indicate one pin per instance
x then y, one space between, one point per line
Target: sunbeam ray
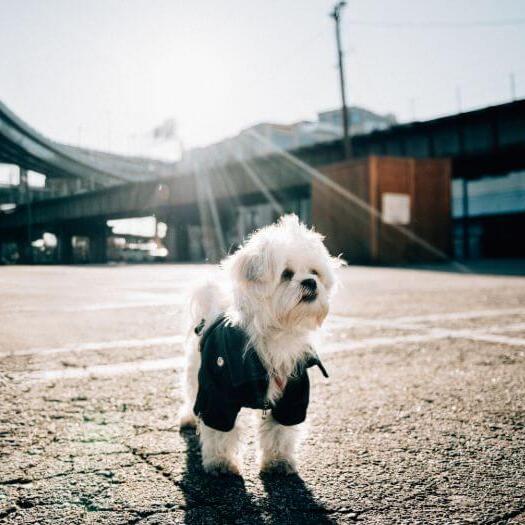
310 172
258 182
208 190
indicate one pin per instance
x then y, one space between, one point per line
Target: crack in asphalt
199 502
504 518
26 481
87 501
143 456
8 512
16 481
141 515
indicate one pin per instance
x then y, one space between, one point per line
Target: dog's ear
251 265
338 262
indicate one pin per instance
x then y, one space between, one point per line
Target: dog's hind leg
219 450
278 444
190 383
207 303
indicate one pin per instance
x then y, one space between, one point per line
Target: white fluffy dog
251 344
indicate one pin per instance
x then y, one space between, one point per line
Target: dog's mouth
309 297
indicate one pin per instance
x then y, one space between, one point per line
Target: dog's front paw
281 466
187 419
218 467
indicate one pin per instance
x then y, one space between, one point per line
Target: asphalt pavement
421 421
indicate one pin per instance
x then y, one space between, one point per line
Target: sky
104 73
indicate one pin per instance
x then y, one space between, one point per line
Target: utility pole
336 15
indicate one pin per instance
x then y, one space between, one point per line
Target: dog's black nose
310 284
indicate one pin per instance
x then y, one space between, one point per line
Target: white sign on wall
395 208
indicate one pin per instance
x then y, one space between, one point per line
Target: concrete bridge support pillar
170 241
65 248
21 248
183 243
177 242
25 251
98 247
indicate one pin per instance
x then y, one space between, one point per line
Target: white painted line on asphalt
503 328
453 316
415 322
175 301
171 363
95 307
334 321
139 343
130 367
340 322
375 342
483 335
515 327
102 345
499 339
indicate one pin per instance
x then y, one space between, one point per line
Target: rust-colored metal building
385 210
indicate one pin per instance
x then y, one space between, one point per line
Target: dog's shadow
224 499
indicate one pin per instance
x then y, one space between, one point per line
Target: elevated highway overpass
490 141
27 148
178 201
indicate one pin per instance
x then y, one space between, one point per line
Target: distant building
293 136
328 127
361 120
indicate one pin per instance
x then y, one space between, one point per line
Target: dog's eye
287 274
315 272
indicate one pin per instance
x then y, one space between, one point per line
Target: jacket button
220 361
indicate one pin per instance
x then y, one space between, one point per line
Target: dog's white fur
279 322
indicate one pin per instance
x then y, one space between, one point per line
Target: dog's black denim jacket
231 376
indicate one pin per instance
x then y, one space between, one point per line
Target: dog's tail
207 303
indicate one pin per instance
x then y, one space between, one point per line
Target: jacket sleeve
215 403
291 408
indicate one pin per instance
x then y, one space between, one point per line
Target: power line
439 24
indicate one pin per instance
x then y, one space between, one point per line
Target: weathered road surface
421 421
